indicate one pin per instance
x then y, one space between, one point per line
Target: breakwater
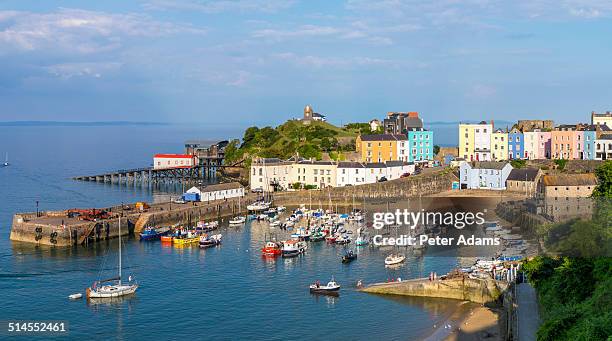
464 288
57 228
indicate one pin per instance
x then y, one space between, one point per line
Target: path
527 312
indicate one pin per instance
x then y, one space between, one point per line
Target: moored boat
349 256
209 241
237 220
293 247
152 233
271 249
393 259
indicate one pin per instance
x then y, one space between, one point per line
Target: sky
261 61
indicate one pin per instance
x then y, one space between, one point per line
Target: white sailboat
112 287
239 219
6 163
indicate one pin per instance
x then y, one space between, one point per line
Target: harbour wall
424 184
466 289
56 229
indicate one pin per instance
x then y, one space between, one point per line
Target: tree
604 180
518 163
436 149
561 163
249 135
232 152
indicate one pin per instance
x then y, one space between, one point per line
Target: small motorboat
293 247
152 233
331 288
167 239
271 249
343 240
393 259
349 257
237 220
75 296
275 223
210 241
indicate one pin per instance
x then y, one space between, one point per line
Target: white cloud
333 32
83 69
79 31
318 61
218 6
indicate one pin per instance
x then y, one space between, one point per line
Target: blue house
516 144
420 144
590 135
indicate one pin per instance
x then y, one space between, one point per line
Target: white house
219 191
167 161
270 173
375 124
350 174
375 171
531 141
395 169
484 175
403 150
603 147
315 173
482 141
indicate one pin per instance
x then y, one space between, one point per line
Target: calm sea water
229 292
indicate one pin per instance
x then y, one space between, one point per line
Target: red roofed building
166 161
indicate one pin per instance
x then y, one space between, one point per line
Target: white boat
237 220
75 296
115 287
258 206
6 163
331 287
393 259
275 223
362 241
293 247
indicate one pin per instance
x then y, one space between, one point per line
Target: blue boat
152 233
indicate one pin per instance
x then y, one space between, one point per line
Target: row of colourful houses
537 140
404 139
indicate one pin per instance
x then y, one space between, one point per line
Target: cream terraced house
318 173
275 174
268 173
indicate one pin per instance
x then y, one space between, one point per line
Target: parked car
382 179
405 175
257 190
179 201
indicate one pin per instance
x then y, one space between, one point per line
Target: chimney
492 124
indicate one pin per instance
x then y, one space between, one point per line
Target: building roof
173 156
397 163
316 114
605 137
384 137
413 122
487 164
375 165
569 180
221 187
312 162
593 127
527 174
348 164
606 114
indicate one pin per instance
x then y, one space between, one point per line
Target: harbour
214 285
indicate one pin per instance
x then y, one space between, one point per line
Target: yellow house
466 141
499 145
378 148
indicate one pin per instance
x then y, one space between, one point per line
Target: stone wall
435 182
465 289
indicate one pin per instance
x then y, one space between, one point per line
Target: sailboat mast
119 250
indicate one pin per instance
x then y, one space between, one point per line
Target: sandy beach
469 322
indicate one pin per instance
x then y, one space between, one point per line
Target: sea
229 292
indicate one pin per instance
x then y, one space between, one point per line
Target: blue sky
260 61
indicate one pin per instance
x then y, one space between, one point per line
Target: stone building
567 196
529 125
524 181
310 115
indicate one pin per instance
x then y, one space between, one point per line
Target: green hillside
309 140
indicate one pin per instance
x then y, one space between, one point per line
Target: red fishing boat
271 249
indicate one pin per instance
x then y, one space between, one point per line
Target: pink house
543 151
567 142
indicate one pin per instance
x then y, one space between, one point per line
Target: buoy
75 296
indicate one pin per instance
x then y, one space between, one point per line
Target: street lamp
36 208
